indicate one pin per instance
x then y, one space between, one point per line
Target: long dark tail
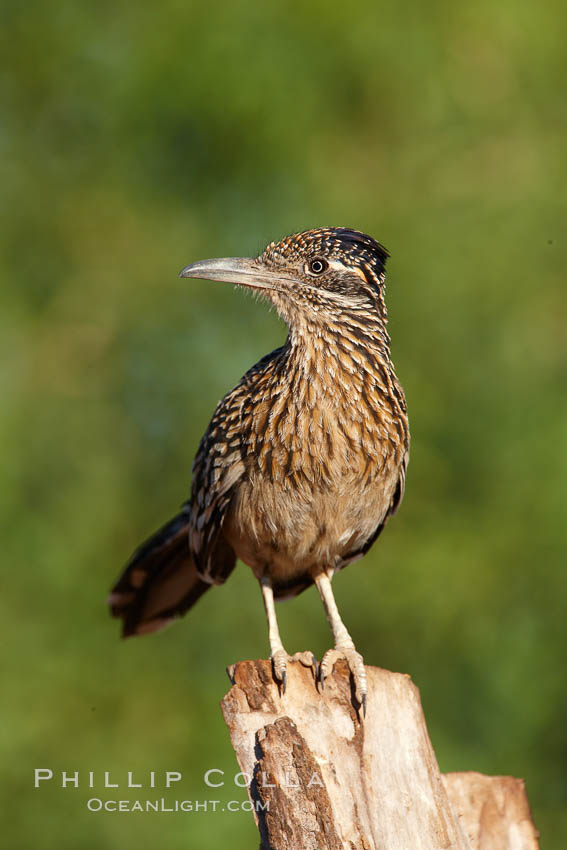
159 582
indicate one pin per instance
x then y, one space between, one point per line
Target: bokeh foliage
136 138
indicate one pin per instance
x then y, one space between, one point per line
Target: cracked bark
322 779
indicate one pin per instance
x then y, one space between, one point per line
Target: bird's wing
218 469
400 487
394 505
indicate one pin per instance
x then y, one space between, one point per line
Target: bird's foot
280 660
356 666
308 660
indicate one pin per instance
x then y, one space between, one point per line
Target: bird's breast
292 532
323 426
322 463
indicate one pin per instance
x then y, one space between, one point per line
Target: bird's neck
347 349
329 388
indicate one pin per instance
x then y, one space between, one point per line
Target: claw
321 677
356 668
315 665
280 660
279 663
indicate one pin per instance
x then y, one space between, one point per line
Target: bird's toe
280 661
308 660
355 663
279 668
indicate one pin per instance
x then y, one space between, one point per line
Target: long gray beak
242 270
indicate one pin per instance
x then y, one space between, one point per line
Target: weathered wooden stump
321 777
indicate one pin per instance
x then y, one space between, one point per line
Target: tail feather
160 581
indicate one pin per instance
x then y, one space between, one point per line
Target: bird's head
317 275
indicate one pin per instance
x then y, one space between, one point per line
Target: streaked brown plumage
303 461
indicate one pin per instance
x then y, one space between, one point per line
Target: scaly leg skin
277 653
344 646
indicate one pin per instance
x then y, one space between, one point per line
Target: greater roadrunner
303 461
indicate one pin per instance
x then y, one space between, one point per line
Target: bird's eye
318 266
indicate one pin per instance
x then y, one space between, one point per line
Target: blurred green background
136 138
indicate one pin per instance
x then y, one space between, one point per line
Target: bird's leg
344 645
277 652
